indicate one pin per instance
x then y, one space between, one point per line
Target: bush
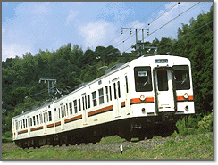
195 125
206 124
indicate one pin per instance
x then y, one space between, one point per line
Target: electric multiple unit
141 98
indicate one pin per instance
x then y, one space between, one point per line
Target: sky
30 26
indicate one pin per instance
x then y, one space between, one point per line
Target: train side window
40 118
37 119
181 77
83 101
119 90
94 98
49 115
67 109
26 123
59 113
88 101
110 90
106 93
101 96
34 120
62 111
70 104
127 88
23 123
17 125
143 81
79 105
115 92
75 106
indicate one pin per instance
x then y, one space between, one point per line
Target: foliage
195 147
195 125
206 124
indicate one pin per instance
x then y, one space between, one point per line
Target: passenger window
59 112
26 123
34 120
110 90
115 92
94 98
70 104
101 96
23 123
127 88
49 115
79 105
119 91
106 93
181 76
88 101
143 81
83 103
67 109
37 119
75 106
40 118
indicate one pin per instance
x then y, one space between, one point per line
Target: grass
199 147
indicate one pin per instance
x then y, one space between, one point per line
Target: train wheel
141 137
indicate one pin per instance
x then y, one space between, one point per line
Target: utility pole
53 81
140 45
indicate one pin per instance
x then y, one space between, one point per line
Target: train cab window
75 106
101 96
110 90
181 77
162 80
106 93
94 98
143 81
49 116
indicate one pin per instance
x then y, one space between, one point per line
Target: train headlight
186 96
142 97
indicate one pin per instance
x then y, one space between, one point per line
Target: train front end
162 93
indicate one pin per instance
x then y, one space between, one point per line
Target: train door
164 90
85 107
116 99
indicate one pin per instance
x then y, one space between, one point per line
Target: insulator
147 33
130 31
121 31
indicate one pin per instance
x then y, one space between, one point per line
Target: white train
141 98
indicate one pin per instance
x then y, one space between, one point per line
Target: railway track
109 147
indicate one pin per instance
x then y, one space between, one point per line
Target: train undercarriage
140 128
